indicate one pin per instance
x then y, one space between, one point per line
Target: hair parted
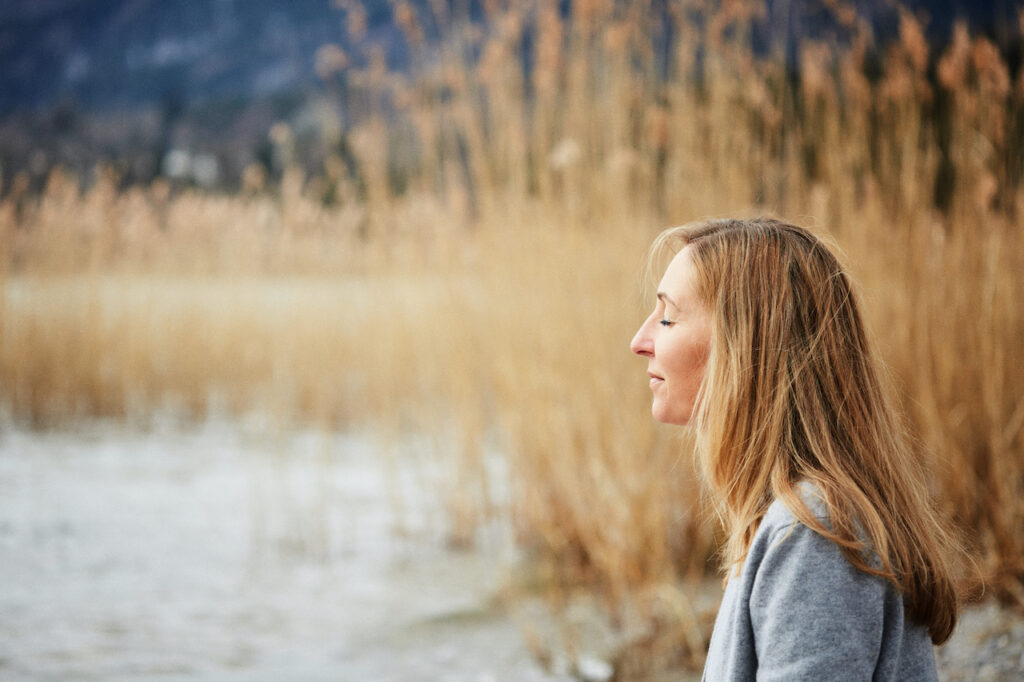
792 392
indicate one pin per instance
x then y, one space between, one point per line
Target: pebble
594 669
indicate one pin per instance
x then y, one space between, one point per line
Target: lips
655 379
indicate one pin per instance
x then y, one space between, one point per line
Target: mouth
655 379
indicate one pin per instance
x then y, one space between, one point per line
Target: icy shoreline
221 552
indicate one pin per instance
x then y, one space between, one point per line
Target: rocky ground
988 645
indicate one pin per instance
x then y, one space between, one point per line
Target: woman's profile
837 565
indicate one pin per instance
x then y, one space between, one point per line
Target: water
227 552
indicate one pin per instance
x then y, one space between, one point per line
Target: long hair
792 393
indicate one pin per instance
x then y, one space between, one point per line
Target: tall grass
471 268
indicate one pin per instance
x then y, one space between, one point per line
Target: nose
642 344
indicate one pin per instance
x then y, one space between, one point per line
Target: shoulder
779 517
786 550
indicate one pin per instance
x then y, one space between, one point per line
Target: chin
668 418
674 418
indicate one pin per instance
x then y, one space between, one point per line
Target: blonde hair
792 393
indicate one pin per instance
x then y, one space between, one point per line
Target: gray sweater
799 610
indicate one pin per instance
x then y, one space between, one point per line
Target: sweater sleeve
814 616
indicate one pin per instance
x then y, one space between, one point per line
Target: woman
838 567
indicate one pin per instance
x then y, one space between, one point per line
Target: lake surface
229 551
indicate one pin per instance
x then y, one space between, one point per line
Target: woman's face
675 339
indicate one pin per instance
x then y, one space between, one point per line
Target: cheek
687 359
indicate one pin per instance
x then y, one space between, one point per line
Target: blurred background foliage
430 217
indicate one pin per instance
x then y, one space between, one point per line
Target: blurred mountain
107 54
140 83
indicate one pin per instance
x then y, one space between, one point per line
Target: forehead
680 279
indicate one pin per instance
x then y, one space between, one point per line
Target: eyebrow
665 298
